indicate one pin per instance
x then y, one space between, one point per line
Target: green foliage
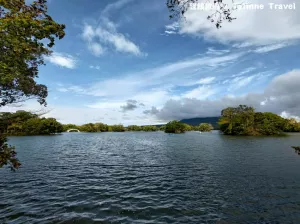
31 127
26 123
50 126
100 127
269 123
88 128
162 128
67 127
205 127
8 155
149 128
237 121
175 127
134 128
23 31
97 127
243 120
187 127
194 122
117 128
291 125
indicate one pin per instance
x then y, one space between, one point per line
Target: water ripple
152 178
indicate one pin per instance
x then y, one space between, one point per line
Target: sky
125 61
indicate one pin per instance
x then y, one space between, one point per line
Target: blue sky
126 62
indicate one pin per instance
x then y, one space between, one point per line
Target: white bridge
73 130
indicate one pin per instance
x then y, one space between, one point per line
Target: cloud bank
282 95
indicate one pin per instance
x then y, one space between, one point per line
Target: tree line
241 120
23 123
168 128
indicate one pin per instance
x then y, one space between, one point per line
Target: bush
205 127
175 127
117 128
8 154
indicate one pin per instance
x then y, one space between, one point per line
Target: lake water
152 178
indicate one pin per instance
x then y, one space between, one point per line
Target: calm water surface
152 178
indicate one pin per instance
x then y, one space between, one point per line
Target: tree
269 124
23 30
117 128
8 155
90 127
205 127
149 128
50 126
237 121
292 125
67 127
175 127
223 12
187 127
243 120
32 126
100 127
134 128
162 128
26 123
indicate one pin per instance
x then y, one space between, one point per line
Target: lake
138 177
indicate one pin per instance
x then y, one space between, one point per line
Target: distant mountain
196 121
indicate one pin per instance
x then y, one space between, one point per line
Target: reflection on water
152 178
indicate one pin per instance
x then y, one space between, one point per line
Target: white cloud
201 92
271 47
131 84
97 67
96 48
75 89
88 32
63 60
154 86
115 6
287 115
105 35
206 80
118 41
281 96
250 28
213 51
245 71
170 32
62 89
241 81
172 28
